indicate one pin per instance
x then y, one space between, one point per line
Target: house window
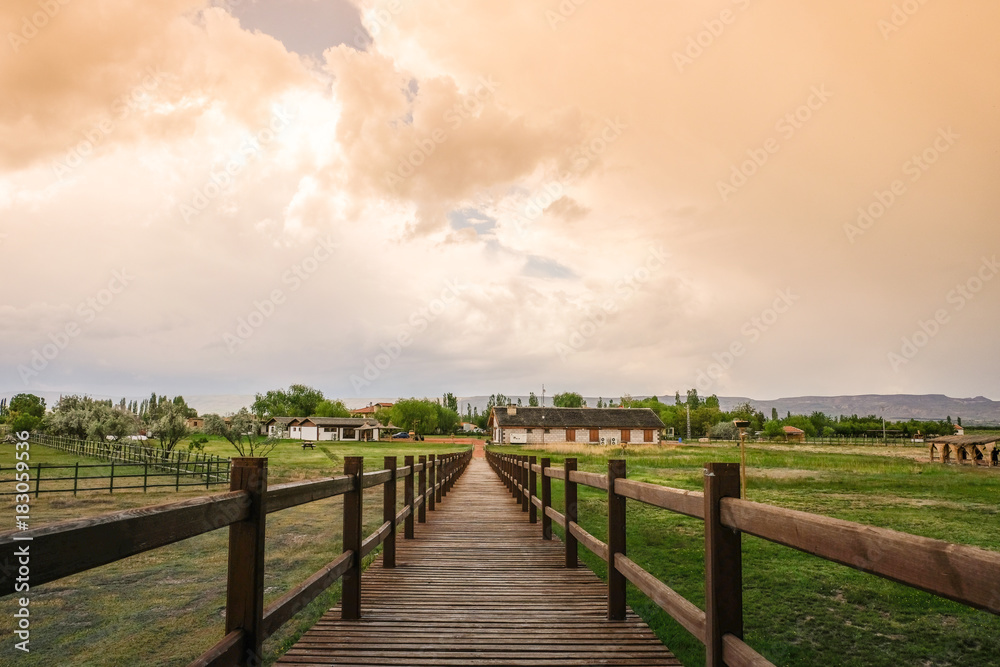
626 435
328 429
647 435
595 435
529 430
571 435
349 434
546 430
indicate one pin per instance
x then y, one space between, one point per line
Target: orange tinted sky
762 199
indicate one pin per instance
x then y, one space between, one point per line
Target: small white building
599 426
277 427
334 428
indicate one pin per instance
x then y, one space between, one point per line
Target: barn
599 426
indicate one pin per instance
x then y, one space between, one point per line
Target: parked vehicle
400 435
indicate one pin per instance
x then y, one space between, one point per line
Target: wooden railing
62 549
965 574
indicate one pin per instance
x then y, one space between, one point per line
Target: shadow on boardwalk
478 586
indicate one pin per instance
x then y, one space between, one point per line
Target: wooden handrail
966 574
930 565
104 539
68 547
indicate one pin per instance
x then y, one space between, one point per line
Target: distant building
195 423
277 427
793 434
599 426
959 430
334 428
370 410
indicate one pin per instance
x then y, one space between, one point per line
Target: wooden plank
690 503
377 477
723 563
958 572
596 547
353 521
616 542
295 600
591 479
245 574
680 609
369 544
737 654
556 515
476 586
226 652
283 496
103 539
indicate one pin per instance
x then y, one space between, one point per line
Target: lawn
165 607
799 609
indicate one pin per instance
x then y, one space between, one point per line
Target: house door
647 435
595 435
571 435
626 435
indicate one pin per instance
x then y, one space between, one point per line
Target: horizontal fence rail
63 549
184 466
965 574
127 477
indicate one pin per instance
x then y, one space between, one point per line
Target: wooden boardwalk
479 586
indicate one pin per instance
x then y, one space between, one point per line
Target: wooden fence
127 479
181 462
97 541
965 574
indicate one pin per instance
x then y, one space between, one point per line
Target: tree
417 415
447 419
297 401
170 426
725 431
600 401
241 432
677 398
107 423
692 398
328 408
712 401
773 429
25 412
532 400
450 401
569 399
774 414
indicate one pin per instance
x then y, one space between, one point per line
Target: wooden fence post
445 475
616 542
546 500
389 514
723 563
532 490
569 465
438 476
350 606
76 477
431 465
245 579
408 498
422 490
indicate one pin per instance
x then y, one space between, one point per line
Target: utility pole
543 395
689 421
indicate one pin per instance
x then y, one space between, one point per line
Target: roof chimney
511 410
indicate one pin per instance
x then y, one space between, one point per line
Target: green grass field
165 607
799 609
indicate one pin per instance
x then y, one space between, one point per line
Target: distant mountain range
895 407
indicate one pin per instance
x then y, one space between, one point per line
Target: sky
408 197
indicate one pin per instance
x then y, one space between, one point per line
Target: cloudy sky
405 197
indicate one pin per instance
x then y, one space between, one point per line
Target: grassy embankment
165 607
799 609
